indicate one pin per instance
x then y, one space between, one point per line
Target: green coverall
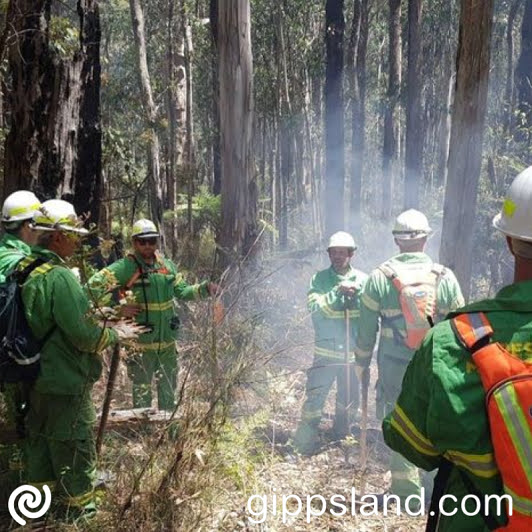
12 250
380 302
441 409
328 317
60 448
154 291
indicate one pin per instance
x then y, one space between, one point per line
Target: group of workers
59 444
454 388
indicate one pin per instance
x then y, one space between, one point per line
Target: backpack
19 348
507 381
417 290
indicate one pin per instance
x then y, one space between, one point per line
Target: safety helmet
514 219
57 215
411 225
341 239
19 206
144 229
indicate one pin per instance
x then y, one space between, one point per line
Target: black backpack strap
22 275
440 483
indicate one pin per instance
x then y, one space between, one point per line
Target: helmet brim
147 235
497 224
60 227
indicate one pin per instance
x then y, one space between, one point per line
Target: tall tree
334 116
239 194
54 141
523 71
389 149
356 64
156 184
414 112
465 155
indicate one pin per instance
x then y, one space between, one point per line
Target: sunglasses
146 241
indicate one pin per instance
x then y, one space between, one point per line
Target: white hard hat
57 215
515 218
20 206
144 229
341 239
411 225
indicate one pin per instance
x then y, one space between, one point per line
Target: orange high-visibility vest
507 381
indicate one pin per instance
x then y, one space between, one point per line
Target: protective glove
347 288
128 330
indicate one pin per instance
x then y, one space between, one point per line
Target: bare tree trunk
334 116
239 194
523 75
156 185
466 138
414 114
176 109
509 89
389 151
54 143
356 62
216 161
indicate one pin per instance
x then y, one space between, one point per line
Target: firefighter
60 448
333 293
154 282
385 301
441 410
17 212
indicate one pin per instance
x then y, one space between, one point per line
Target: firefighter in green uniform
441 410
333 293
380 303
17 212
60 450
154 282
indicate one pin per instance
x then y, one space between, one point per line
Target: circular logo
29 498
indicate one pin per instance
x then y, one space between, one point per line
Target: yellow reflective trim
155 346
411 434
370 303
103 341
520 504
159 306
337 355
80 500
481 465
23 210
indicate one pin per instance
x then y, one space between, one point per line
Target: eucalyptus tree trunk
465 154
239 194
334 116
414 114
156 183
54 142
390 145
523 75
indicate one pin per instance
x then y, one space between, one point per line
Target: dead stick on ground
108 396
